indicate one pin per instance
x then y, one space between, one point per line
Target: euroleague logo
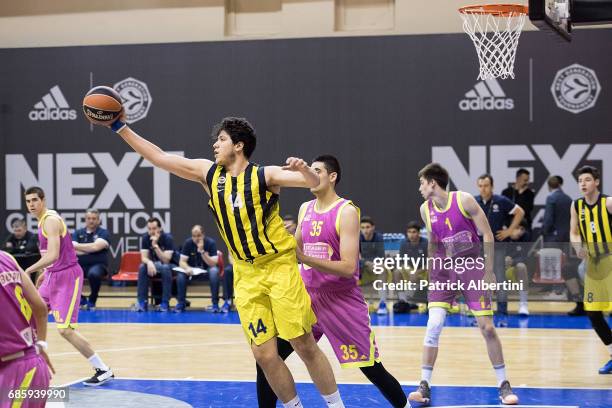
136 98
575 88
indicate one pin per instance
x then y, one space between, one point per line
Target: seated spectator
516 262
22 244
199 251
371 245
290 224
156 250
414 247
91 244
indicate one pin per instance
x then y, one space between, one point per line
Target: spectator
156 250
22 244
516 263
371 245
290 223
556 230
499 210
520 193
413 248
200 251
91 245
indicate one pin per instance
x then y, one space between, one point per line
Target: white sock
426 372
294 403
97 362
523 296
334 400
609 346
500 373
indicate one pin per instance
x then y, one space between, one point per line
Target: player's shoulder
348 208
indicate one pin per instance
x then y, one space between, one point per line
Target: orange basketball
102 105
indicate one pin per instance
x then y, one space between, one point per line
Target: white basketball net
496 39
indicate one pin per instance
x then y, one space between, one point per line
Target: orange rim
497 10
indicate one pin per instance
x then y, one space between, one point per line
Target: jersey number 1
447 222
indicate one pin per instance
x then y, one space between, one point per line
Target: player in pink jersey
453 221
24 364
61 283
328 247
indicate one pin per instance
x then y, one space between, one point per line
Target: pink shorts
26 373
61 290
344 319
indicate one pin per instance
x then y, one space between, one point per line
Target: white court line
152 347
477 335
517 406
359 383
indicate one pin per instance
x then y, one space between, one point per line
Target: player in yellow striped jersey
271 298
591 236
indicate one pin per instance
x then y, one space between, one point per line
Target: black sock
265 396
389 387
601 326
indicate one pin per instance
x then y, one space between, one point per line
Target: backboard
562 15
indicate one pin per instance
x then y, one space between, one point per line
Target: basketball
102 105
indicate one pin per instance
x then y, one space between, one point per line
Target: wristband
117 125
42 344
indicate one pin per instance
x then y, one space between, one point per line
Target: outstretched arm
349 247
190 169
295 173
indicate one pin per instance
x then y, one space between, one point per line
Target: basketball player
270 296
61 282
591 236
24 364
453 220
328 247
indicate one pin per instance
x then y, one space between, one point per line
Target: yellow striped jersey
247 214
594 222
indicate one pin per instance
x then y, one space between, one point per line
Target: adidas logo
53 107
486 95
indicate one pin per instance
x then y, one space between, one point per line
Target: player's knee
488 329
435 323
305 346
65 332
264 355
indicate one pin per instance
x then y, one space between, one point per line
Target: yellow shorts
271 299
598 284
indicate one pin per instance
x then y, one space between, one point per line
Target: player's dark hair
589 170
555 182
240 130
522 171
288 217
486 176
435 172
413 225
155 220
35 190
367 220
332 165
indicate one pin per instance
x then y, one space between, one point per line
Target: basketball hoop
495 30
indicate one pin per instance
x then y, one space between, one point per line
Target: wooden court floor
534 357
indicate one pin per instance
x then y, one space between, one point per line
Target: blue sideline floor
230 394
546 321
